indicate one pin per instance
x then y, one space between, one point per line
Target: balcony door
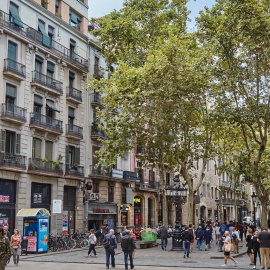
12 55
10 142
11 93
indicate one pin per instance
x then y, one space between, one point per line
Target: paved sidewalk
147 257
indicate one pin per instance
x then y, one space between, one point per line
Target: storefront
100 213
7 203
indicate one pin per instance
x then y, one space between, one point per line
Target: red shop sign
4 198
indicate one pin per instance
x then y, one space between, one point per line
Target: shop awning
33 212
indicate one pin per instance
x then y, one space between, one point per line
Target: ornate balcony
45 123
12 161
14 69
74 132
12 113
98 72
151 186
50 84
127 175
74 170
97 134
41 166
26 31
96 100
74 94
100 171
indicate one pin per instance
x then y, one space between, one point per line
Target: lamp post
179 195
259 209
217 202
253 197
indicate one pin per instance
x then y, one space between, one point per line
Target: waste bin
24 246
149 236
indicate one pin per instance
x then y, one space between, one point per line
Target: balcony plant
56 162
94 127
44 160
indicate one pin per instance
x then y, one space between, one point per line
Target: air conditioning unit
94 196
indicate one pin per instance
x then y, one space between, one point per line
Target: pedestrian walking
199 237
227 247
191 229
4 249
92 243
235 240
187 237
263 239
15 242
222 229
8 235
207 238
129 248
255 248
110 245
164 237
248 244
217 233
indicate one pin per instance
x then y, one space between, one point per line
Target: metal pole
254 217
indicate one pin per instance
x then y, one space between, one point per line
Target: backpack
107 243
222 230
234 236
125 243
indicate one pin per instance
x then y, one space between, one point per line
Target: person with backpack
110 245
199 237
208 238
164 237
128 247
235 240
223 228
187 236
92 243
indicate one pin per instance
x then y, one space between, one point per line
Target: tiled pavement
147 257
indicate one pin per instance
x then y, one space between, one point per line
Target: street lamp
253 197
179 195
217 202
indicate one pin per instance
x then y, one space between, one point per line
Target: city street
152 258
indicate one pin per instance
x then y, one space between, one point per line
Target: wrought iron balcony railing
13 160
46 121
74 93
14 67
74 169
74 130
48 166
98 72
47 81
13 111
100 171
97 99
29 32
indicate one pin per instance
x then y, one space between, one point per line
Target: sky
98 8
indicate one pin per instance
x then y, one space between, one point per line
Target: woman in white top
227 253
92 243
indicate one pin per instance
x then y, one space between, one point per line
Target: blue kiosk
35 228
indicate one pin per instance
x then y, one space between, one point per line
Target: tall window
57 7
45 38
50 72
71 79
36 148
50 34
38 68
10 142
110 193
72 155
49 150
11 93
75 20
12 55
71 115
72 46
14 15
38 103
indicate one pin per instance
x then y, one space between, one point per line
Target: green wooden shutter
45 38
18 144
15 15
12 51
3 140
49 150
67 154
129 195
77 155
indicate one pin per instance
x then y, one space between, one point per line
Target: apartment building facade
44 68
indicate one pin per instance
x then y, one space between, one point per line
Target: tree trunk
190 202
264 214
164 208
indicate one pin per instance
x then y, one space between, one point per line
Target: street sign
57 209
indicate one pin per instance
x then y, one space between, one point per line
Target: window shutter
15 15
129 195
12 51
50 66
67 154
11 91
3 140
45 38
49 150
18 144
77 155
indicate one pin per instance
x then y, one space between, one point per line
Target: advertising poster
43 234
32 243
65 223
